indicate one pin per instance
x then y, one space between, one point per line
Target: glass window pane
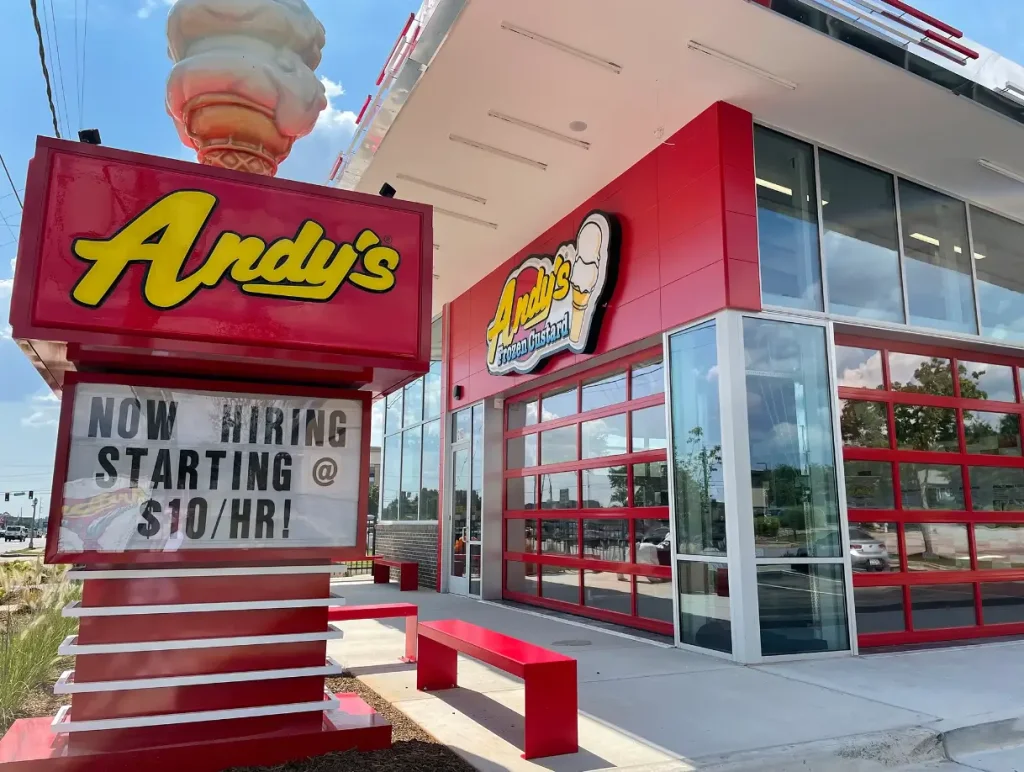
937 547
460 511
934 607
999 545
868 484
521 493
647 378
476 499
392 477
522 578
926 428
792 458
603 391
697 442
607 592
558 445
863 424
787 221
463 421
653 543
558 491
650 484
999 262
430 487
474 569
649 429
522 414
654 598
860 243
931 486
704 614
377 424
408 505
393 418
606 539
413 412
558 404
521 452
1002 602
981 380
561 584
879 609
920 374
604 436
859 368
937 262
559 537
432 392
995 489
996 434
802 609
874 547
605 487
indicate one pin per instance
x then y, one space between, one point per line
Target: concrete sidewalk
645 705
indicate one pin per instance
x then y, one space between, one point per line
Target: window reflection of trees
697 467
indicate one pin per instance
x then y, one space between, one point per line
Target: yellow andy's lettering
307 266
500 325
562 269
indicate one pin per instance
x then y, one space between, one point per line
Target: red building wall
689 248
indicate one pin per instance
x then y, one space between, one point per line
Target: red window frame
630 513
969 517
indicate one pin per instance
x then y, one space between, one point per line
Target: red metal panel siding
689 248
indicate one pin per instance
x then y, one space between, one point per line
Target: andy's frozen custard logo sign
554 303
307 266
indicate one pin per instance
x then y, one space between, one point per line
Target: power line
85 38
49 47
42 62
60 67
14 189
77 79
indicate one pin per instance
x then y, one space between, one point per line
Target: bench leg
437 667
410 638
552 724
381 574
409 578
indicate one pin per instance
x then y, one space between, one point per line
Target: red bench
408 573
382 611
552 726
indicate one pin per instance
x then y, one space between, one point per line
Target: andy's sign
552 303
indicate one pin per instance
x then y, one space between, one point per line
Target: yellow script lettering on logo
530 308
304 267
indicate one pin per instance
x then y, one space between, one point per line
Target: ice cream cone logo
588 269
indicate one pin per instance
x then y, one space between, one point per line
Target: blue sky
121 82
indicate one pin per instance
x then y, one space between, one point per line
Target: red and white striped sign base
196 668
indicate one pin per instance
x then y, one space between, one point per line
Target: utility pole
32 533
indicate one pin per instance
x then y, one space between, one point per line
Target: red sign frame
241 556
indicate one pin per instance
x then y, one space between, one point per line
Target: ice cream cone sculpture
589 266
242 89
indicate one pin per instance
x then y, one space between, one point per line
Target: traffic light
7 497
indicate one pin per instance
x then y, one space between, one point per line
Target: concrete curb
998 732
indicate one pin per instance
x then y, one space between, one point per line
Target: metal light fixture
540 129
465 218
563 47
441 188
498 152
693 45
986 164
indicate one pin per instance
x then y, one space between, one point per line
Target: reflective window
921 374
523 578
413 411
859 368
999 545
653 543
879 609
868 484
981 380
522 414
996 434
476 500
874 547
705 618
603 391
392 477
926 428
863 424
606 539
562 584
861 247
559 537
430 487
787 221
997 489
558 491
649 429
654 598
521 452
934 607
605 487
792 458
999 262
931 486
647 378
937 262
521 535
408 505
802 608
607 592
432 392
393 418
377 423
558 404
463 421
697 442
1002 602
558 445
650 484
937 547
521 493
603 436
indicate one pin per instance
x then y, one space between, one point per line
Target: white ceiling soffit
788 75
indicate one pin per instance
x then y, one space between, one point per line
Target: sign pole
32 533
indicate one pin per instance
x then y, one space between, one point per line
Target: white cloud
312 157
6 285
332 120
331 88
40 418
5 332
148 6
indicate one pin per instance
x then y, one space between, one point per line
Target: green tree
699 515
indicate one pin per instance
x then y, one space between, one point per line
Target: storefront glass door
464 531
